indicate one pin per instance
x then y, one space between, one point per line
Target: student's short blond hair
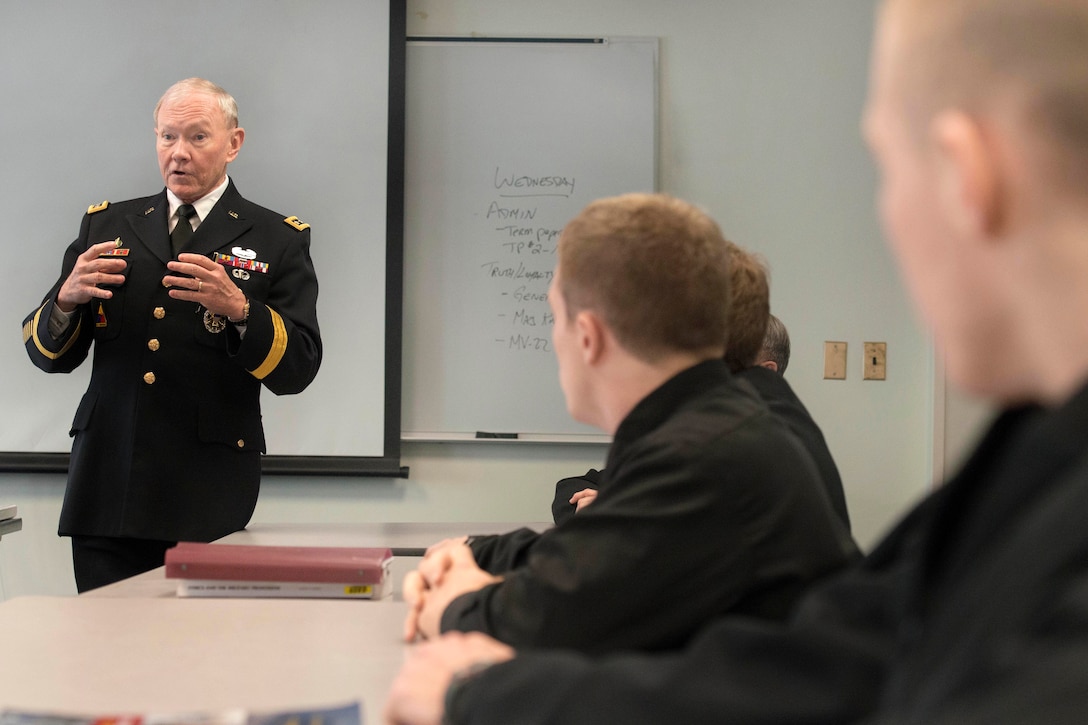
654 268
749 308
981 56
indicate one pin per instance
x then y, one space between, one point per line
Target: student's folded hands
445 573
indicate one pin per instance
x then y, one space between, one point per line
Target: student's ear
591 336
971 183
770 365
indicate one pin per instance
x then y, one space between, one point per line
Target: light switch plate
876 361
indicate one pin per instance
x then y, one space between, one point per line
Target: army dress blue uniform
168 437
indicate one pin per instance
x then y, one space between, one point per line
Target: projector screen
320 90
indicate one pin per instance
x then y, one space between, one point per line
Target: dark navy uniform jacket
168 437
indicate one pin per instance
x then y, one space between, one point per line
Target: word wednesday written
534 185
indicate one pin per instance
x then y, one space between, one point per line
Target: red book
242 570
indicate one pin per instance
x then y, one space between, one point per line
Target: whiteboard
505 141
312 81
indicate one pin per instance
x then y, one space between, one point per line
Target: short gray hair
227 104
776 344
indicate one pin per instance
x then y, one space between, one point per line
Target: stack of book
231 570
8 511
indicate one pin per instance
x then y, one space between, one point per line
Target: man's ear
237 138
972 183
591 336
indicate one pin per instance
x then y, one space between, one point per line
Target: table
8 526
129 655
405 539
134 647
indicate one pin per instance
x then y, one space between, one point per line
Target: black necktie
183 230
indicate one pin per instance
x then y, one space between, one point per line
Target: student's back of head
775 351
654 268
749 308
1025 62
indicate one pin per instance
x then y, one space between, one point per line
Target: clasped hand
204 282
447 571
207 283
418 695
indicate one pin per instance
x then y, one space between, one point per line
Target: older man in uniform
194 298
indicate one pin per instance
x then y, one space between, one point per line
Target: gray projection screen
320 89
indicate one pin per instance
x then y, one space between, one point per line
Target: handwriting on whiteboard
518 231
523 186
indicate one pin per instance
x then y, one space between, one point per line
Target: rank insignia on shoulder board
295 222
95 208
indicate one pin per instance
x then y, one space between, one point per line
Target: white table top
406 539
134 647
89 655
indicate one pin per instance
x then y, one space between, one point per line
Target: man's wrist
60 321
245 314
460 680
61 307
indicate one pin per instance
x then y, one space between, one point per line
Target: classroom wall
760 104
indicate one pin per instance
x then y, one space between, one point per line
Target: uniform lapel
224 224
150 227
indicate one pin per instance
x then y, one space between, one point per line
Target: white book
8 511
299 590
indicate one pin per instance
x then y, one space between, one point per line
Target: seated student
974 610
708 504
774 354
764 371
755 337
746 319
